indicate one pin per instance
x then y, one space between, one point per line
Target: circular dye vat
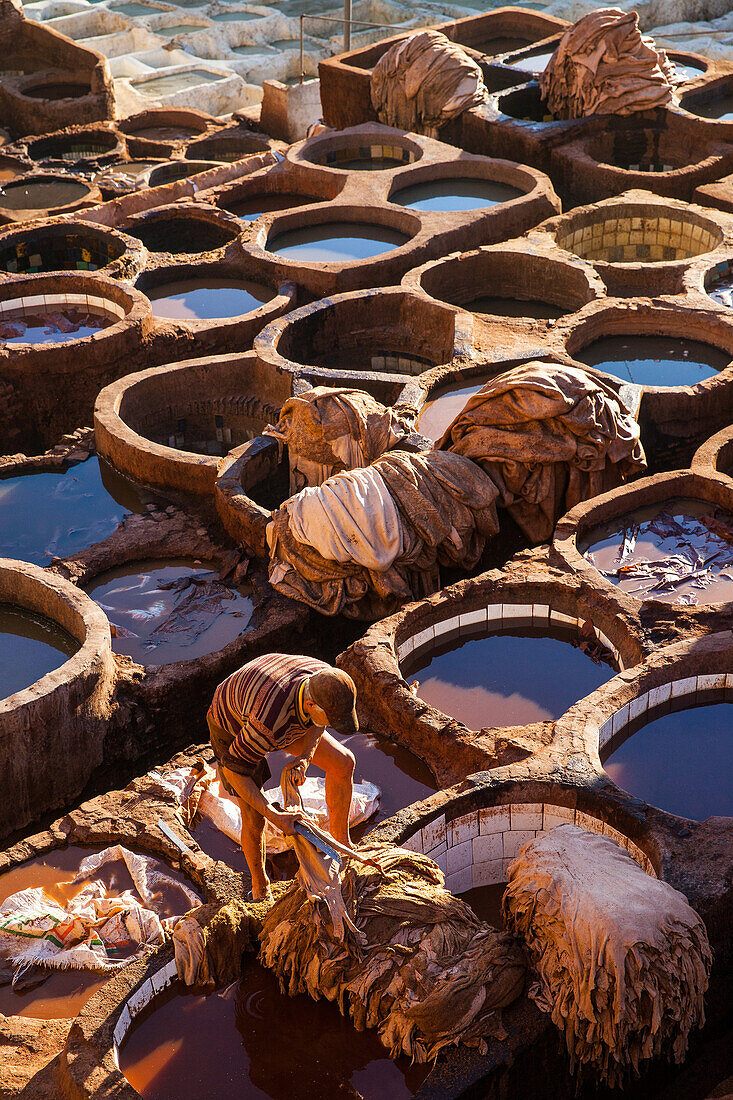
207 299
42 194
510 678
55 326
250 51
49 515
679 761
179 236
61 994
535 63
172 610
679 551
336 242
654 360
179 28
455 194
57 91
250 209
401 777
235 17
515 307
164 133
30 646
444 407
187 1046
285 43
719 109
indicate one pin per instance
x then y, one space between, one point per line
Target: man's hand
297 770
285 820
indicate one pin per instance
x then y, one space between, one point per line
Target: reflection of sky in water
336 243
442 409
196 301
681 762
508 679
29 648
47 514
654 360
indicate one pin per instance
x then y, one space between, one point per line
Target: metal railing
347 23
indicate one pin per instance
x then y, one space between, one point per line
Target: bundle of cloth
369 540
198 791
392 948
329 430
603 65
424 81
548 436
100 928
622 959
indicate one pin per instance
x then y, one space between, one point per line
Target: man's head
334 692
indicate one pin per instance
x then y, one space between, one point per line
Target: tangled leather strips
430 973
605 66
622 959
424 81
548 436
329 430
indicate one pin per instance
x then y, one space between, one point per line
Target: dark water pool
49 515
171 610
455 194
508 679
680 762
336 242
654 360
189 1046
253 207
719 109
514 307
207 299
42 194
30 646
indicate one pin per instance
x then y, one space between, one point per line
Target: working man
281 701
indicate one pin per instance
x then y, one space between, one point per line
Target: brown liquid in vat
486 902
442 409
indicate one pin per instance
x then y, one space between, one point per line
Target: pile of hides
408 958
622 959
424 81
99 929
329 430
198 791
367 541
208 948
549 436
605 66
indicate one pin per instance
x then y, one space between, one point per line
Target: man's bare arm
306 746
248 790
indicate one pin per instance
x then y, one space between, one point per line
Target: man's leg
252 839
338 763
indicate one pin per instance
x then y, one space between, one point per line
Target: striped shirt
261 705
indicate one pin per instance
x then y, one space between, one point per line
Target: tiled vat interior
207 425
75 147
635 149
334 157
33 303
476 848
73 250
636 236
496 616
707 687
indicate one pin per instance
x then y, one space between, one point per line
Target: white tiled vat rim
495 617
655 697
477 848
141 997
93 302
